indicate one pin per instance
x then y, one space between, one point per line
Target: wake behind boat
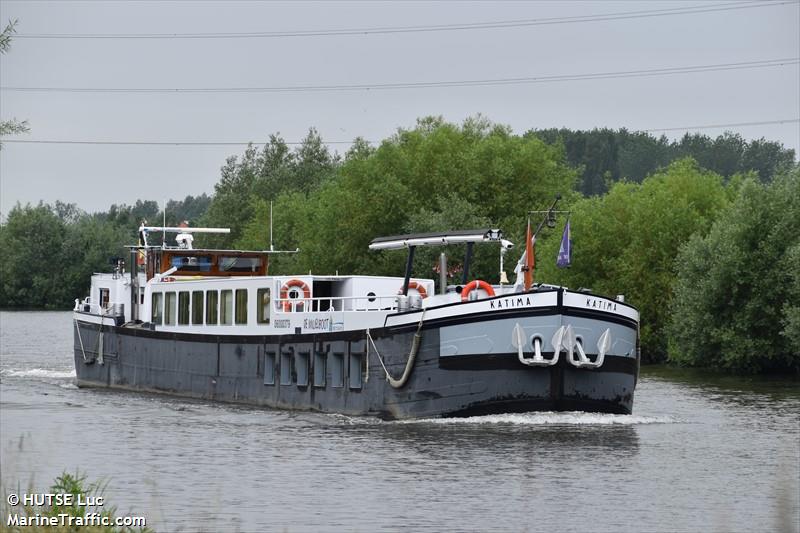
213 324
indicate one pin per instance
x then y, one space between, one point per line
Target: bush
735 304
626 242
76 485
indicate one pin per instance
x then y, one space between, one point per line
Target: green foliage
5 36
88 246
50 252
13 126
191 209
441 176
430 177
265 175
78 486
626 241
791 308
737 290
606 156
132 216
31 241
452 212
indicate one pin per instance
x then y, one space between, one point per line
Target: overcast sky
95 176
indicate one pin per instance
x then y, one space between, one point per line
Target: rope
412 356
99 347
83 351
100 340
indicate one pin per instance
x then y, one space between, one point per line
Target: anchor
518 340
570 343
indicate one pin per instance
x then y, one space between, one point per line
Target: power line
194 143
158 143
305 1
730 125
729 6
425 84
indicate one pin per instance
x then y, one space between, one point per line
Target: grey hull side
461 369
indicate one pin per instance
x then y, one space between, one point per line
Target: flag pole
529 259
564 256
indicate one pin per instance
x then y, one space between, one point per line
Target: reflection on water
700 453
732 387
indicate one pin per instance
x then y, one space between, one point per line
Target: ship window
197 307
239 264
200 263
226 308
262 306
241 306
169 309
183 308
319 369
301 366
337 370
104 297
269 368
212 300
355 370
157 308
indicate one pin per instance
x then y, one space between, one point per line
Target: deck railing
326 304
87 306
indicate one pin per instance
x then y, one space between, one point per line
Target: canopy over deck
436 239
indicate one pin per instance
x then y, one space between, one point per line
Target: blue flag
565 252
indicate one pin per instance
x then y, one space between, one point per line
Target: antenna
271 248
164 225
547 219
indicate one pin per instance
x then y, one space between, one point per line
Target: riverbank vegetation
736 299
81 507
50 251
700 233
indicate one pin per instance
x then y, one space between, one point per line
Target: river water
700 453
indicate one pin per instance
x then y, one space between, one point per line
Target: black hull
337 373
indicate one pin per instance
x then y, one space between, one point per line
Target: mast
134 286
529 257
527 263
271 248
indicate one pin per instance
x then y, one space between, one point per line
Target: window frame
170 308
184 307
197 314
263 309
226 311
240 307
157 308
212 308
104 298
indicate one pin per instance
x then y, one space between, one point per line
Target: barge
215 325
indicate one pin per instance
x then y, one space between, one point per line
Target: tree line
50 251
605 156
699 234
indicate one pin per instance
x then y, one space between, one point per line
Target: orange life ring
419 287
292 283
475 284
